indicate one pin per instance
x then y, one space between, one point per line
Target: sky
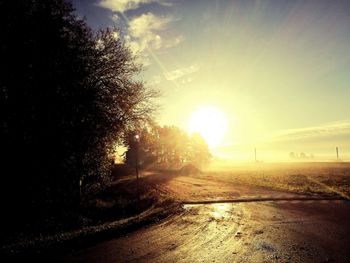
279 70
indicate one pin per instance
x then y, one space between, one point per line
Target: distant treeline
166 145
301 156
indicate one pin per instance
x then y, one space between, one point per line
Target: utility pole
137 139
80 184
255 153
336 149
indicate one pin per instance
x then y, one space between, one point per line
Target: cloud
155 80
144 35
334 129
115 18
125 5
144 32
186 80
181 72
144 24
172 42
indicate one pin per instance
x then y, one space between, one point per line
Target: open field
253 180
305 178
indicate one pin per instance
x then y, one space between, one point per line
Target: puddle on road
221 210
215 211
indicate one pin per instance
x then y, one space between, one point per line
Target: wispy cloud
155 80
125 5
172 42
144 32
145 35
115 18
339 128
181 72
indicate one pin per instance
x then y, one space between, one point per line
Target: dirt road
299 231
258 231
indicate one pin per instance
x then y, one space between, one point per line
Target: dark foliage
165 145
66 96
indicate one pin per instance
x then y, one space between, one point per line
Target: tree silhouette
292 155
199 150
44 101
67 96
167 145
122 104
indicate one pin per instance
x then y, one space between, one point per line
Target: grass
114 210
54 244
329 179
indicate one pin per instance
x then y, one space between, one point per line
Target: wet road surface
272 231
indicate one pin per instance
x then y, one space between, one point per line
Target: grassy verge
54 245
104 214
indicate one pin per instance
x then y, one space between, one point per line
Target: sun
209 122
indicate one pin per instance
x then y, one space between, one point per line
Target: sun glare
210 123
